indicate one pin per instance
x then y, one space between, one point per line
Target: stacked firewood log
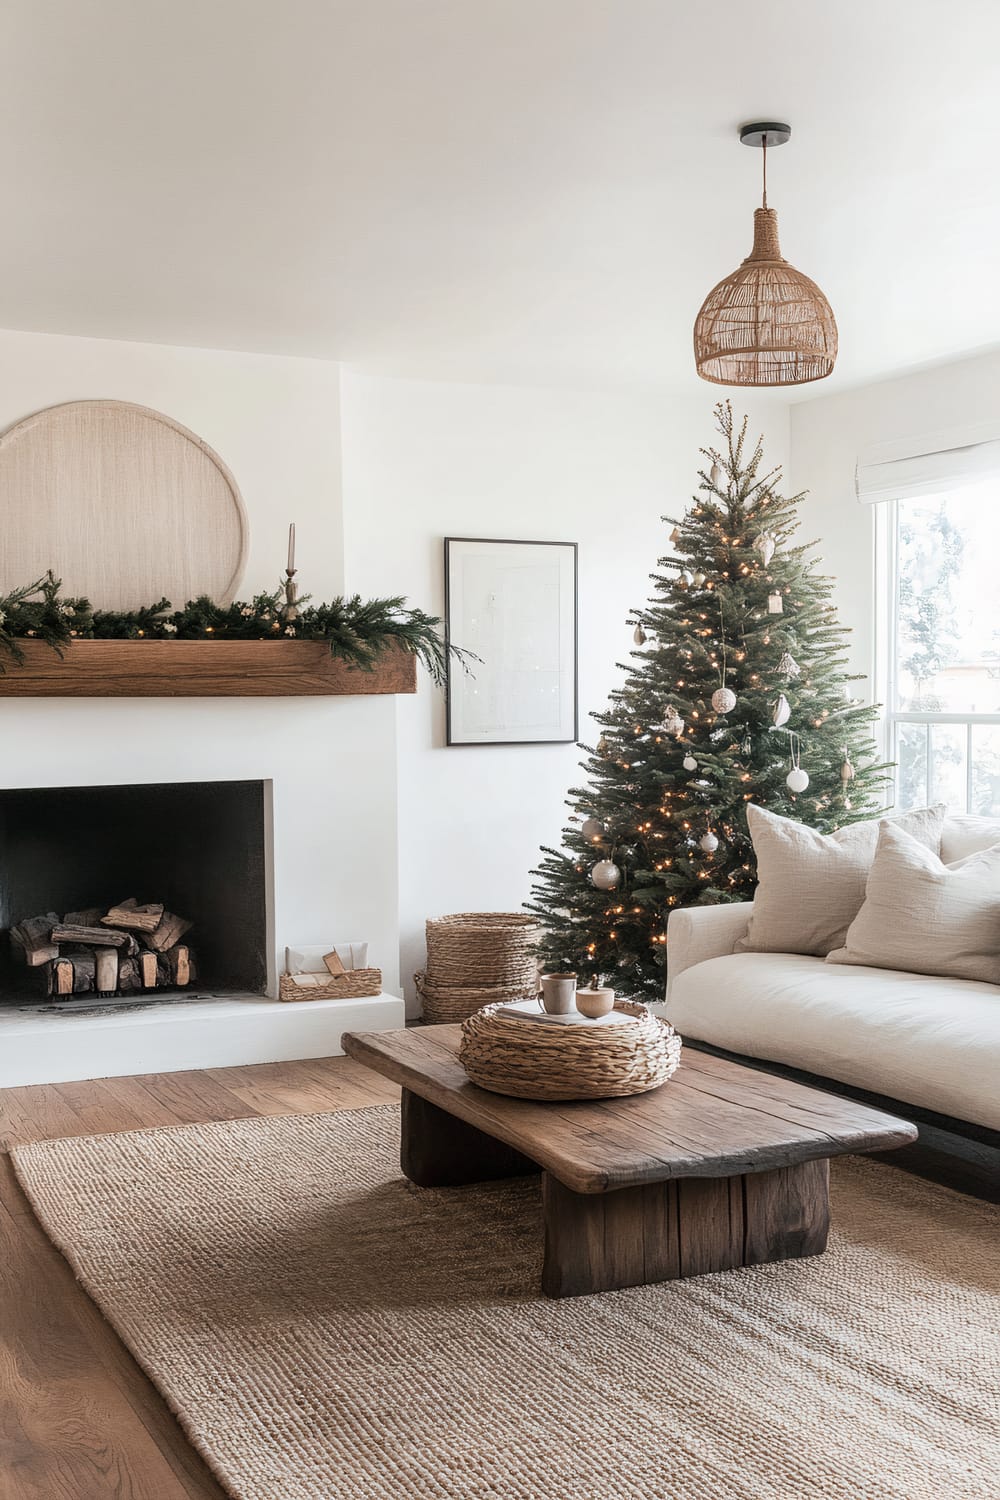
127 949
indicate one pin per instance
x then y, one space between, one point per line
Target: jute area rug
324 1331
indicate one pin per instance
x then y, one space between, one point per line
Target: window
940 578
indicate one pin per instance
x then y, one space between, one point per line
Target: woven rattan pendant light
766 324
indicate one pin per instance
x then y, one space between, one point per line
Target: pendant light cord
764 150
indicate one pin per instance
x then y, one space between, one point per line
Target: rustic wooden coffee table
722 1166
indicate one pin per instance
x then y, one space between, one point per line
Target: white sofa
930 1042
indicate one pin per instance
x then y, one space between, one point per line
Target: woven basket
480 949
534 1060
477 958
349 986
441 1007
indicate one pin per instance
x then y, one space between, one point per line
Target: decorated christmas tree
737 693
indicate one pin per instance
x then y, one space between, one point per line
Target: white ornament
708 842
639 636
788 666
765 545
797 780
775 604
606 875
699 579
689 763
723 700
715 475
846 770
593 829
672 723
682 579
782 711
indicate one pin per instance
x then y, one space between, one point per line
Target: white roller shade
928 465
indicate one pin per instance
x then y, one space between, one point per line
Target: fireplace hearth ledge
210 1032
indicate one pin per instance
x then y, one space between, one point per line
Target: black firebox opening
198 847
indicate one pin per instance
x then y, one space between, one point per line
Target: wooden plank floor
78 1419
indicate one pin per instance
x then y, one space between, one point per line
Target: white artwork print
514 605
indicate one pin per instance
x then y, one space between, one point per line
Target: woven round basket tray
533 1060
481 949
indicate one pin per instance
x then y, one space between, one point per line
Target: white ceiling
524 190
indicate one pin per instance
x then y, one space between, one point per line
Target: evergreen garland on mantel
357 631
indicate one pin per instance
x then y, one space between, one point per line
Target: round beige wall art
122 503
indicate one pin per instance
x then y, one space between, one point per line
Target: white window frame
886 578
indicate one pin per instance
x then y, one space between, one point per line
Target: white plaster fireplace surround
330 769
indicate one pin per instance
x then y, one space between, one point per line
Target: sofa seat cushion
913 1037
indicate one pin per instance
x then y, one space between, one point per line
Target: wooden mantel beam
199 669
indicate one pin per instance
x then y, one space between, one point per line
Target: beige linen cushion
811 885
927 917
965 833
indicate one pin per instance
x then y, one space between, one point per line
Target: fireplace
270 823
198 848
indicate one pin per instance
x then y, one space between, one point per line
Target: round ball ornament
797 780
708 842
593 829
606 875
689 763
723 700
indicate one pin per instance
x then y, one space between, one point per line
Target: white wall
424 460
827 434
420 460
274 421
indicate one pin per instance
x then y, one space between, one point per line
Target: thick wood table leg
595 1242
437 1149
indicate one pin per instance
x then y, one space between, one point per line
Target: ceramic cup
595 1003
558 994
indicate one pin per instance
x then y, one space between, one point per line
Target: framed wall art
515 605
